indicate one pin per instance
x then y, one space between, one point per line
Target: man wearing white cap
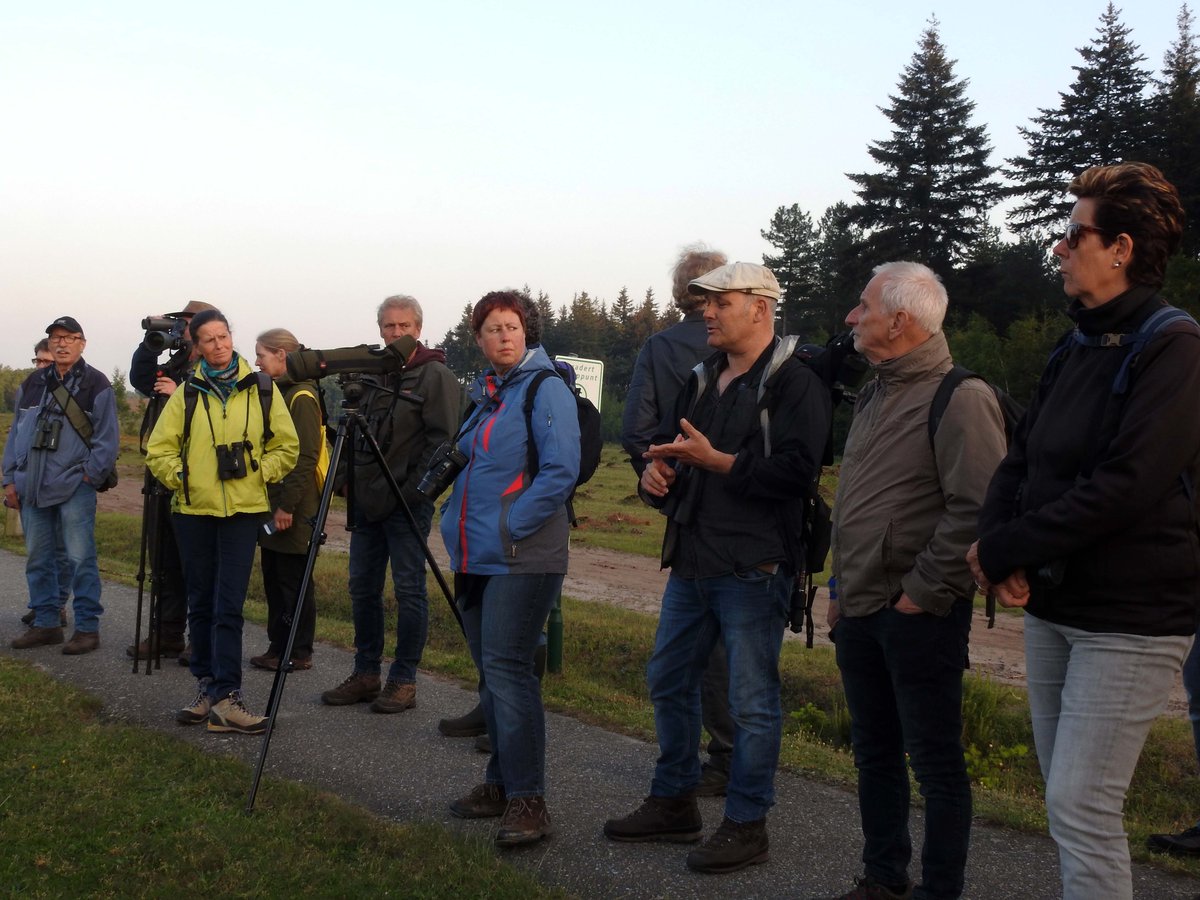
728 468
61 449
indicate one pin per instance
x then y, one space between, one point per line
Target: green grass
107 810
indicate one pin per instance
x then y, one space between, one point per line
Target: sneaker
1185 843
470 724
268 661
395 697
733 846
36 637
28 618
359 687
231 714
713 782
867 888
82 642
486 801
675 819
198 711
525 822
172 645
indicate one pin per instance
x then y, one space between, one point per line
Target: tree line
932 197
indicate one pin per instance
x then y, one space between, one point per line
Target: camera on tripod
368 359
164 333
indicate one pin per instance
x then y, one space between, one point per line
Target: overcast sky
294 163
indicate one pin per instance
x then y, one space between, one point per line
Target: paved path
401 768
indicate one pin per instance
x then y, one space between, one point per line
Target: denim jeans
748 610
74 520
1092 698
1191 684
903 679
503 622
372 546
714 710
218 553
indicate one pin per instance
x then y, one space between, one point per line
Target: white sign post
589 376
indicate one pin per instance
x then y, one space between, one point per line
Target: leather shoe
1185 843
82 642
37 637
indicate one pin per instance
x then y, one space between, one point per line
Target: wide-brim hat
193 307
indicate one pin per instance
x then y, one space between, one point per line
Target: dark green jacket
298 493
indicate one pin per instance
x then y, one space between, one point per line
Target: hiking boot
28 618
525 822
712 783
483 743
471 724
82 642
733 846
1185 843
301 663
867 888
486 801
172 645
185 655
675 819
231 714
268 661
36 637
198 711
395 697
358 688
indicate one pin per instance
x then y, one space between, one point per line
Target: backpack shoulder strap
531 457
74 413
941 398
266 394
785 348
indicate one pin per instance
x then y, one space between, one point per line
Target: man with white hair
731 494
903 519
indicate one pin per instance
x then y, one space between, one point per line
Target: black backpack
1010 409
590 442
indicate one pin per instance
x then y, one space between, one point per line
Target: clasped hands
691 447
1013 591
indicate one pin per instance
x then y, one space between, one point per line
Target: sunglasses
1075 231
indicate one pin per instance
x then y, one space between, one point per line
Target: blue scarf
223 380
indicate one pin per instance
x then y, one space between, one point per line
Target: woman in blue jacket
506 530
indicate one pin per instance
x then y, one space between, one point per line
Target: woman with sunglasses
1090 521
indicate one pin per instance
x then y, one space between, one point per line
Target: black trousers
282 574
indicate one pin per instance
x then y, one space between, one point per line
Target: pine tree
935 186
793 235
1101 120
1175 110
843 271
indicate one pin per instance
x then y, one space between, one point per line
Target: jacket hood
489 383
424 354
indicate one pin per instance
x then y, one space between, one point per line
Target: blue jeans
372 546
503 616
903 676
1092 698
1191 684
748 610
217 554
74 521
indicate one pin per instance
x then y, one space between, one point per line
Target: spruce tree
1101 120
795 266
843 270
1175 109
934 187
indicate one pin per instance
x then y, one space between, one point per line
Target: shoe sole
264 666
185 718
377 707
666 837
341 701
68 650
523 839
236 729
731 867
462 732
476 813
1177 852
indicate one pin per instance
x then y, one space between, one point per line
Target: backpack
590 442
191 393
840 369
1010 409
321 471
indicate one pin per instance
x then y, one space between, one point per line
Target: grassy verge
91 823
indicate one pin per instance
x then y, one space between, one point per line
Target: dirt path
635 582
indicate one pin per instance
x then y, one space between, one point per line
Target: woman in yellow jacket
211 448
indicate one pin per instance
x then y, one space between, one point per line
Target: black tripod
350 423
155 517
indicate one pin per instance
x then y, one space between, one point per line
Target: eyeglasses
64 338
42 363
1075 231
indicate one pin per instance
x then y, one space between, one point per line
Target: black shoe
867 888
713 782
468 725
483 743
733 846
1185 843
674 819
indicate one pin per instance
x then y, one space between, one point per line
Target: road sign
589 376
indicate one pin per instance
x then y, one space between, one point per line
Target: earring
1117 264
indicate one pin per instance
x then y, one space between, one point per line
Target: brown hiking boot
486 801
733 846
36 637
172 645
674 819
395 697
82 642
198 711
268 661
231 714
525 822
358 688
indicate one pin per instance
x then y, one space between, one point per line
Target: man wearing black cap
729 468
158 382
61 449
